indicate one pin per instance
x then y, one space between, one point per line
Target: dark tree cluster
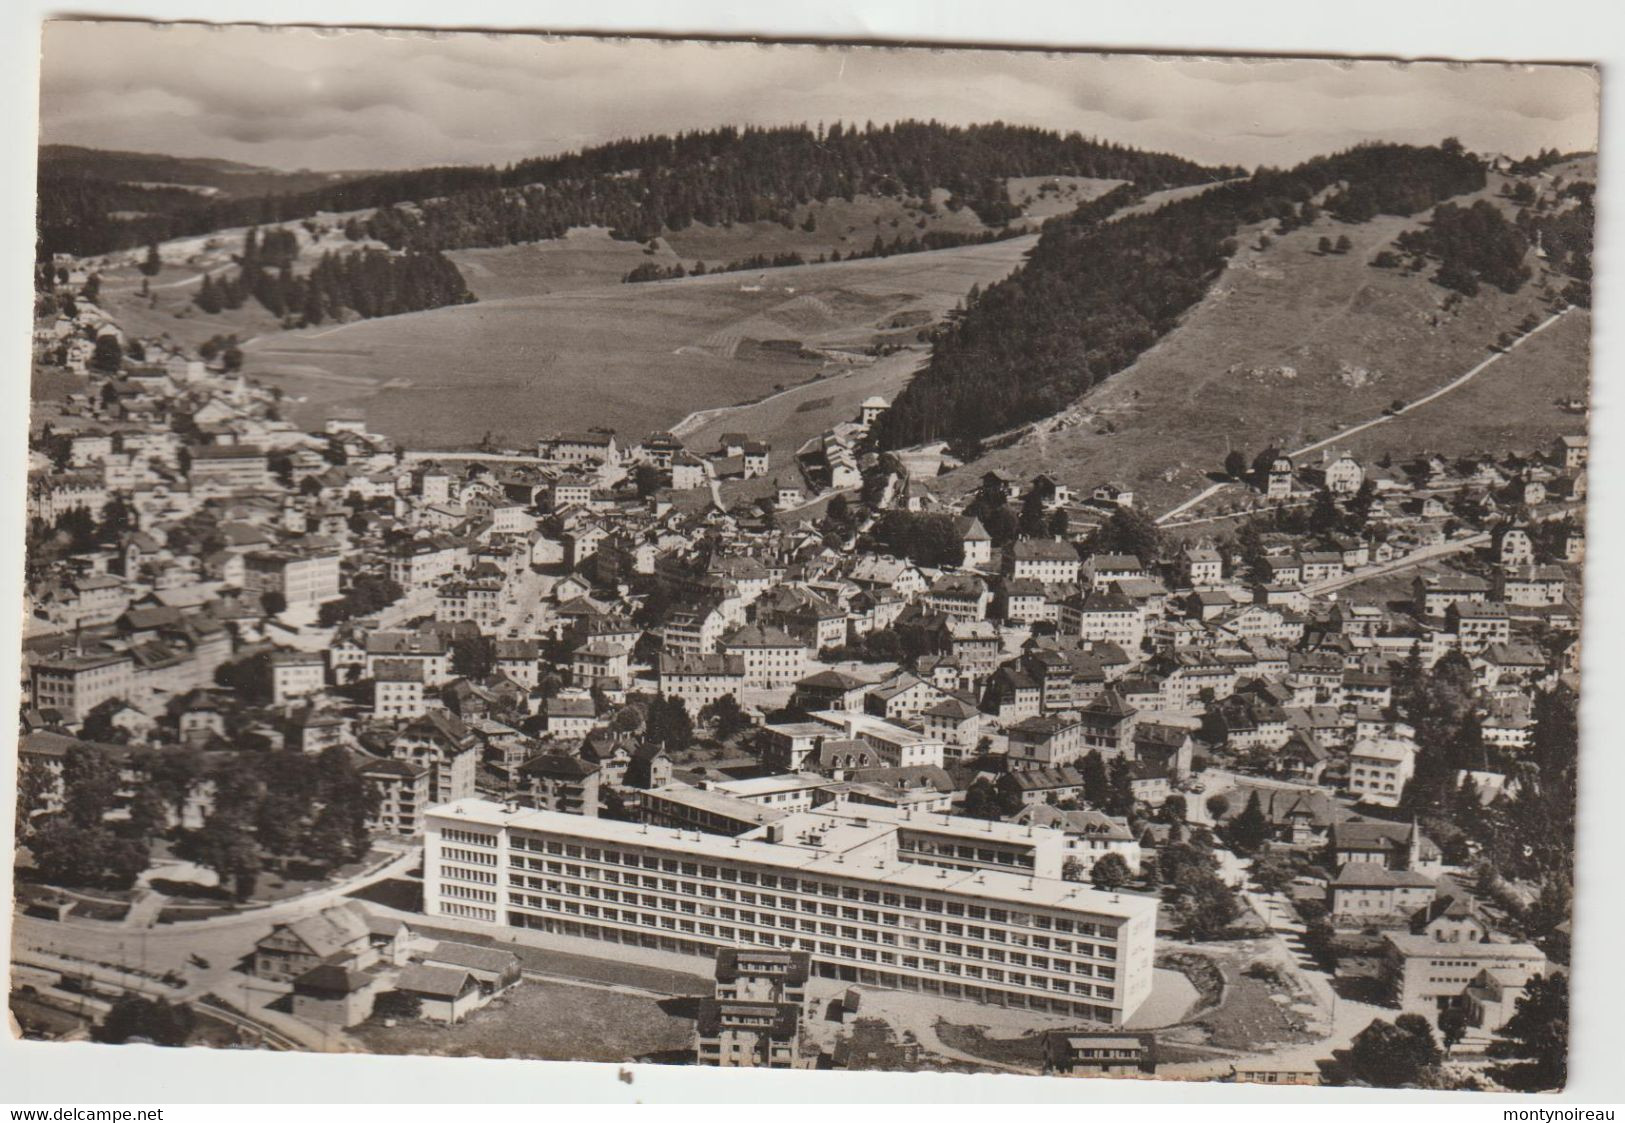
367 595
367 283
1473 244
924 538
1094 295
282 807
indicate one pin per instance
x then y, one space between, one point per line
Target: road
1420 557
1344 434
221 940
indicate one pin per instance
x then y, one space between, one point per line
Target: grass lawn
551 1022
1026 1050
394 892
279 887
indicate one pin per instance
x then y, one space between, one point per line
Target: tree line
930 240
269 809
1094 295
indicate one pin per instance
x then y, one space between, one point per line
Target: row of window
824 948
692 869
475 857
463 873
847 932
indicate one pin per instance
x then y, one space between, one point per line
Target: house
1531 586
1366 893
1433 593
1201 565
956 723
1076 1053
446 994
1279 479
332 994
440 741
901 697
975 542
1344 475
1379 769
1090 835
294 674
770 657
398 689
1569 452
570 715
1050 560
1395 846
1102 570
494 969
339 933
831 690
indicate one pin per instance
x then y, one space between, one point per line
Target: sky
326 100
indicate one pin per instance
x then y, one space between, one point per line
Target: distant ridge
636 187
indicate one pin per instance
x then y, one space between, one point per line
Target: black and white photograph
805 556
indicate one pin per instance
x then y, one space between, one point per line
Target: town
334 745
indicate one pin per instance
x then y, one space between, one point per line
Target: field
583 258
632 357
550 1022
1028 193
1291 345
838 227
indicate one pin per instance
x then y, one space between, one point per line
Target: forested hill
638 188
206 175
1096 294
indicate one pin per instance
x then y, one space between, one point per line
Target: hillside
1098 293
1289 345
633 357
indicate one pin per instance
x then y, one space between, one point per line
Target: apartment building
229 467
403 793
753 1020
295 674
898 745
836 888
700 680
73 684
770 657
303 577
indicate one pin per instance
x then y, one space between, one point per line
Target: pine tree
207 298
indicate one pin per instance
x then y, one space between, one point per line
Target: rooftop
835 855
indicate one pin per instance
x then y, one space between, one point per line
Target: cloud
298 98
